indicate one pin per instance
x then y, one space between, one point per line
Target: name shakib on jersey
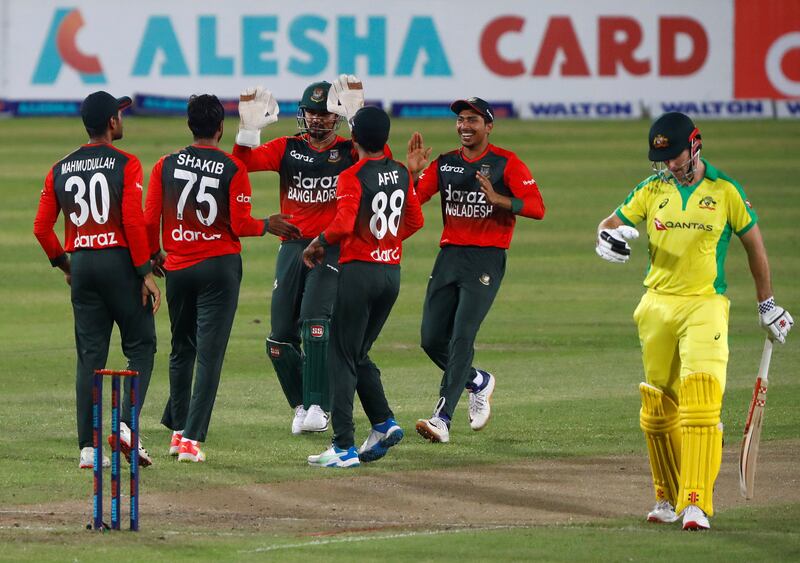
466 203
87 164
208 166
313 190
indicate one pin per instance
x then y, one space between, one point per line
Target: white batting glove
776 321
257 109
346 96
612 243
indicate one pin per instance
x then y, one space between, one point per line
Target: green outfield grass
560 337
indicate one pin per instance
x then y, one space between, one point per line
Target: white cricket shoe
335 457
316 420
695 519
300 413
480 408
125 446
434 429
87 459
663 512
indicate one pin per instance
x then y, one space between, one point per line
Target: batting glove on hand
612 245
776 321
257 109
346 96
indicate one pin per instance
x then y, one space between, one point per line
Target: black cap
371 128
670 135
99 107
315 97
475 104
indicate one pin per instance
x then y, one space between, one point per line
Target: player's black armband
266 226
144 269
59 261
324 243
516 205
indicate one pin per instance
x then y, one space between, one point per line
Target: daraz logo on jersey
61 47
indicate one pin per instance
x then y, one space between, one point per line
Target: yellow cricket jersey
689 229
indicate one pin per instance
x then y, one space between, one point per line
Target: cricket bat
752 428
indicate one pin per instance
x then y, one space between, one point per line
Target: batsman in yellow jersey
690 210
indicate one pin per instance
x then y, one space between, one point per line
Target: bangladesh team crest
318 95
334 156
486 170
708 203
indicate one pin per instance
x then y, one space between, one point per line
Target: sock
478 382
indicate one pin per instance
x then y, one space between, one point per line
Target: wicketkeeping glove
612 245
257 109
776 321
346 96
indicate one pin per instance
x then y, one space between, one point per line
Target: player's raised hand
612 244
314 253
346 96
776 321
257 109
280 226
417 154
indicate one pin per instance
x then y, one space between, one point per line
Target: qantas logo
681 225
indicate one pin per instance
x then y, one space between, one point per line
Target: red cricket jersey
199 197
469 219
99 189
308 176
376 210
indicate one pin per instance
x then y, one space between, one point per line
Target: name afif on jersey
313 190
466 203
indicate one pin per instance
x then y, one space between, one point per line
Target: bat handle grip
766 356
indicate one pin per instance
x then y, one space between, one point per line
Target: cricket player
376 210
309 165
690 209
99 189
199 198
483 188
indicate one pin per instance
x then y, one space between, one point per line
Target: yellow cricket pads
659 421
700 399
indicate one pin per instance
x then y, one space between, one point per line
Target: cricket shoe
316 420
125 446
381 437
87 459
663 513
335 457
480 408
434 429
190 451
300 413
695 519
175 443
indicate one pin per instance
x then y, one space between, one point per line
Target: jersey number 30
380 223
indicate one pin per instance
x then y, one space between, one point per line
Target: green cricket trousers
202 302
